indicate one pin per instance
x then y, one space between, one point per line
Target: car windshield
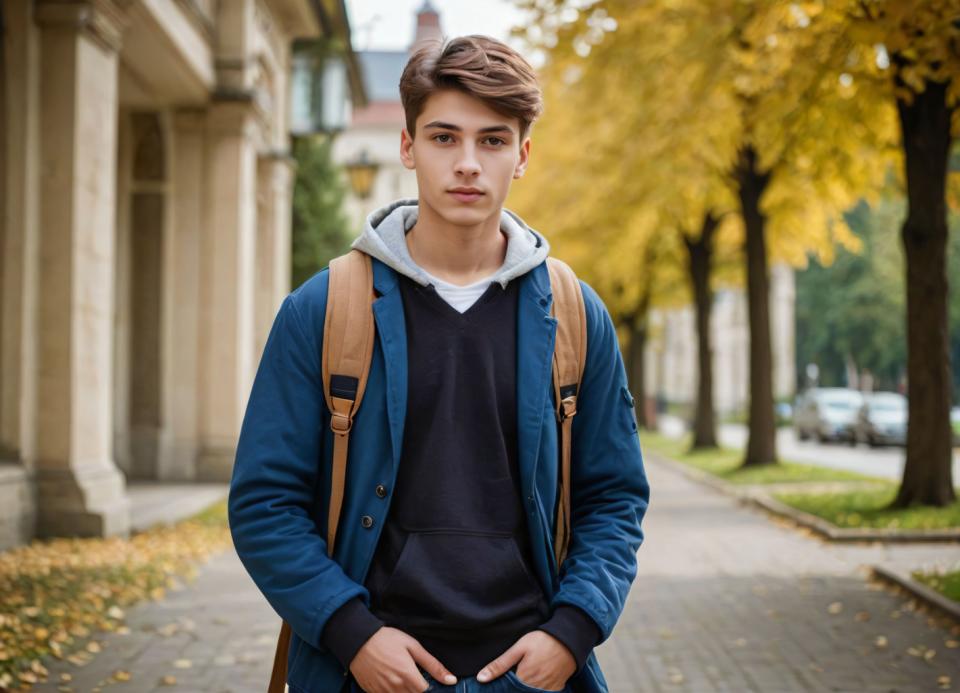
891 404
840 403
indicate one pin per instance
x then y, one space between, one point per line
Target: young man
443 577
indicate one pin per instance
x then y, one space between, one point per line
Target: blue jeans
505 683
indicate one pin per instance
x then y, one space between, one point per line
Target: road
881 462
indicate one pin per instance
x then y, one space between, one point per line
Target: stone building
145 199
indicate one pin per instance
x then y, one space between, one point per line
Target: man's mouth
466 194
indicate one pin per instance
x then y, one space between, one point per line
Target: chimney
428 26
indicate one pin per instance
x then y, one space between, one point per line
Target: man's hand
545 662
387 663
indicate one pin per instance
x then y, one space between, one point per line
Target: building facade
145 191
373 132
671 354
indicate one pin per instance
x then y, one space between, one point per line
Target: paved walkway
726 600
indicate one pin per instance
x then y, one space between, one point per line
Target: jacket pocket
451 580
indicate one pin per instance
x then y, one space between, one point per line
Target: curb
830 531
763 500
919 590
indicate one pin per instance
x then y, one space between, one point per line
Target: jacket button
381 491
366 521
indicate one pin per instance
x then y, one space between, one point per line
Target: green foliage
855 307
320 228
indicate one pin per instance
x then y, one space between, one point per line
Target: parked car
827 413
883 419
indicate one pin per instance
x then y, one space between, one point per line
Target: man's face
462 144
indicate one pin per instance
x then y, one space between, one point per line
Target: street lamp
362 171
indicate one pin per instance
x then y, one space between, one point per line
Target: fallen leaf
881 641
835 608
168 681
182 664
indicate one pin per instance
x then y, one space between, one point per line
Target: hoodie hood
384 237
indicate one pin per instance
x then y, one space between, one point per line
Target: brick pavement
726 599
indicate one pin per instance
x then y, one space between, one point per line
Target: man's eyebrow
456 128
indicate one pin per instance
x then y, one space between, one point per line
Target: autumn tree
908 55
679 107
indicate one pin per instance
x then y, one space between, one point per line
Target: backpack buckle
340 423
568 408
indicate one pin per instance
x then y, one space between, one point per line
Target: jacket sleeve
272 506
609 488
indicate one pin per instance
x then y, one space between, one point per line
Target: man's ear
406 150
524 159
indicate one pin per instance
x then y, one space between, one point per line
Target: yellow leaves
922 652
55 594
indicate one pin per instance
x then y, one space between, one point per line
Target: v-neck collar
438 303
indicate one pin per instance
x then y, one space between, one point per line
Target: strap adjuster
568 408
340 423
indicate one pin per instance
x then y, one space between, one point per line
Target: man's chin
466 214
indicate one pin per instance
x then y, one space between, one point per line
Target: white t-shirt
460 297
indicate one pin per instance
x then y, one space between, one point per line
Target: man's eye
437 137
496 141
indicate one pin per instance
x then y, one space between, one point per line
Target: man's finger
431 664
501 664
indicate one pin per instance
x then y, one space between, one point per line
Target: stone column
182 289
227 285
80 490
274 208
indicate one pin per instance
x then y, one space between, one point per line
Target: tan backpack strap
278 678
569 357
348 334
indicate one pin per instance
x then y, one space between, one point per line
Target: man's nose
467 164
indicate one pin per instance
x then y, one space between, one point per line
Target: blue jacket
281 478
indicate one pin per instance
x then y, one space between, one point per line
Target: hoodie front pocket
459 579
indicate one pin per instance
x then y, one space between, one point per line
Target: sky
389 24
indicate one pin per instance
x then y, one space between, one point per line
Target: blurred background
766 194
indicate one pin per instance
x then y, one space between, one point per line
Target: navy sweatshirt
453 567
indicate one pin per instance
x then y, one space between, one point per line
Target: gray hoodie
384 237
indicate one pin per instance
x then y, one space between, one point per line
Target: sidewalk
725 600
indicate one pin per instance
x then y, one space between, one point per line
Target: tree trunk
927 474
762 440
637 372
699 255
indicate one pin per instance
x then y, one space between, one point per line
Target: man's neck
460 255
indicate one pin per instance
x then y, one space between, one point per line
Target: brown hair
480 66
